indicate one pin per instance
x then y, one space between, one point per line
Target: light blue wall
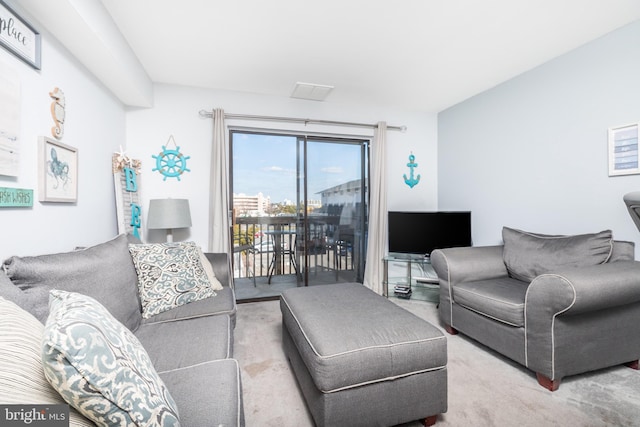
531 153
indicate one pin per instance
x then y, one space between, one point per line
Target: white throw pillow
22 379
208 269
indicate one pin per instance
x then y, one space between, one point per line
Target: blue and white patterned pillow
169 275
100 368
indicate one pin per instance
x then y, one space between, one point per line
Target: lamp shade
168 214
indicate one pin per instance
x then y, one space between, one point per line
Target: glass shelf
410 270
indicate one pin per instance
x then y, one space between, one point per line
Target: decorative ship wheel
171 162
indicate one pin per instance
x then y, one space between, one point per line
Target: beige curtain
219 240
377 234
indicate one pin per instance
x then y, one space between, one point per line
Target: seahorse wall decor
57 112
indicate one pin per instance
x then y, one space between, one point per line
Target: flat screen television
422 232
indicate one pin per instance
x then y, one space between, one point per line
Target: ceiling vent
310 91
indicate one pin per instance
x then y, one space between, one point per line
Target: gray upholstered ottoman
360 359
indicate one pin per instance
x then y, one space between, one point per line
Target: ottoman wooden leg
450 329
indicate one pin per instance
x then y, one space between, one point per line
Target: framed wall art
58 171
18 37
9 122
623 150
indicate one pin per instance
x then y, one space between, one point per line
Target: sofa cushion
223 303
501 299
527 255
104 272
169 275
9 291
99 367
220 407
22 379
622 251
172 345
32 300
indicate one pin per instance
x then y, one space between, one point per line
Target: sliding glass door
299 211
332 188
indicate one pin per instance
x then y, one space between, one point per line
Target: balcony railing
268 246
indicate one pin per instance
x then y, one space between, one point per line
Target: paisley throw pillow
169 275
100 368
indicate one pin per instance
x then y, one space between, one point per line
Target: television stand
410 276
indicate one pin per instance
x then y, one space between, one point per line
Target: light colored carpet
485 389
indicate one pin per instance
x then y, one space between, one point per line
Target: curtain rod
209 114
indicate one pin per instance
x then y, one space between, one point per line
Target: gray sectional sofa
559 305
190 346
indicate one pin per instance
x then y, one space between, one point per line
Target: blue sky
267 164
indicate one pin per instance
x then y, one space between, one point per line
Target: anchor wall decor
411 181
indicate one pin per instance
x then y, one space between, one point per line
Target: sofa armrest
559 306
584 289
457 265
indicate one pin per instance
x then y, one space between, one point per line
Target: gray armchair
571 320
632 200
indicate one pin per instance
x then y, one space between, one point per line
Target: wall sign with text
127 186
16 197
18 37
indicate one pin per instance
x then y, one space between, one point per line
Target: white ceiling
423 55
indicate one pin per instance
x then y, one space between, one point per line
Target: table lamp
168 214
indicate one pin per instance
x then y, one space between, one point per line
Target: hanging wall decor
58 171
57 112
171 162
624 156
411 181
18 37
16 197
10 106
127 186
